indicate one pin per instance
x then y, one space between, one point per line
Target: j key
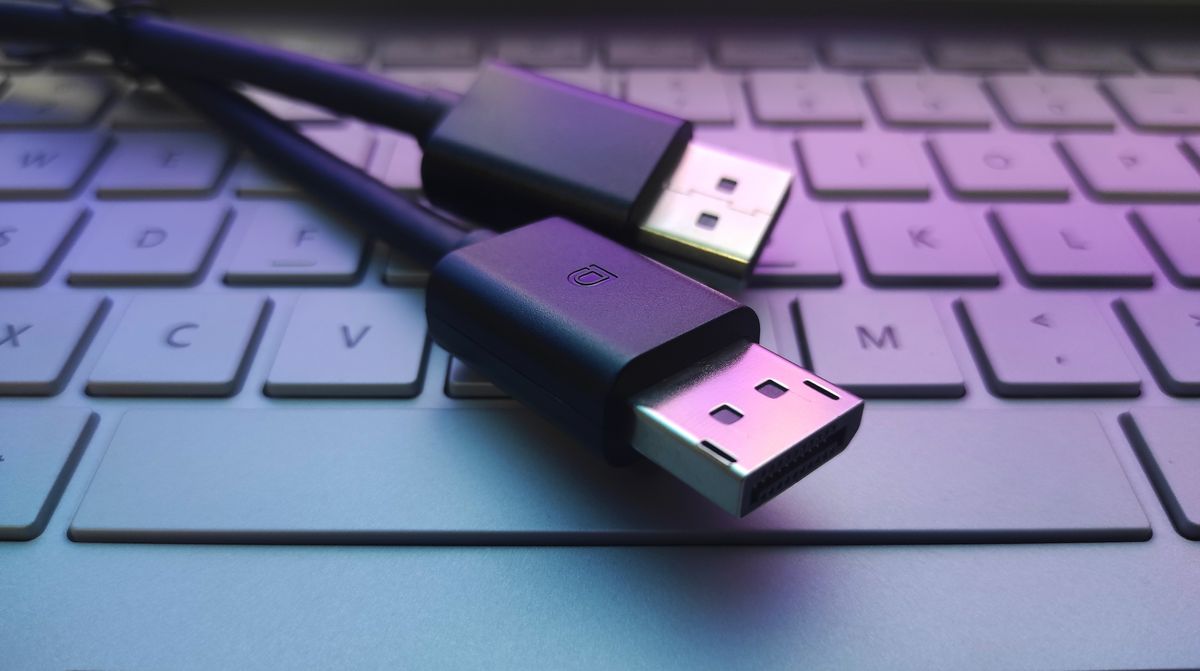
652 51
700 98
763 51
462 381
186 163
1052 102
1001 166
930 100
39 448
1166 328
817 99
33 237
981 56
152 108
358 345
880 346
350 143
545 51
430 50
843 164
295 243
1158 103
53 100
1044 346
799 251
1086 57
1173 234
450 80
287 109
42 338
203 475
874 53
1177 57
402 271
1090 247
147 243
46 165
1133 167
180 345
901 244
1165 440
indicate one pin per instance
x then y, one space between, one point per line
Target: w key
1042 346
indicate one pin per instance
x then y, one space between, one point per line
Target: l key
1046 346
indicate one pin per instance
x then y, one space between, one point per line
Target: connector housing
574 324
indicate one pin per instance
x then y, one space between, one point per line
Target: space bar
498 476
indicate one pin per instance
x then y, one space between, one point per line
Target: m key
880 346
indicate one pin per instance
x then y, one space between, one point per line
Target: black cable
365 202
150 42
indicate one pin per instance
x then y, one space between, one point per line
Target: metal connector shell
743 425
717 209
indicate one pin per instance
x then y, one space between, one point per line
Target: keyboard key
982 165
287 109
33 237
1090 247
879 346
462 381
147 243
874 53
1173 57
652 51
215 475
190 344
295 243
799 251
39 448
53 100
402 271
844 164
545 51
817 99
919 245
930 100
1165 440
177 164
700 98
1056 102
1086 57
451 80
763 51
1173 235
397 162
1158 103
346 49
1043 346
351 143
46 165
1133 167
981 56
149 107
42 336
430 50
1166 329
352 345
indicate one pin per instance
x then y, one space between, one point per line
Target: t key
1046 346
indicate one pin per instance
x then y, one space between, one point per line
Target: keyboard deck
996 243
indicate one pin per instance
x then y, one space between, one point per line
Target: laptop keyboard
992 242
